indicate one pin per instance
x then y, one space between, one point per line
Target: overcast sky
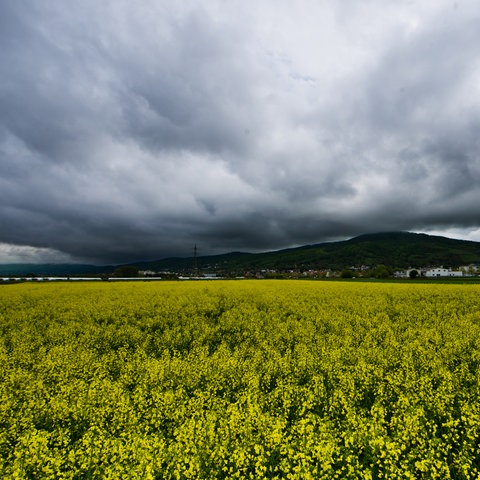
135 130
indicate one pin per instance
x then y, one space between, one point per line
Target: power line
195 266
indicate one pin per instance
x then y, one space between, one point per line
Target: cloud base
134 132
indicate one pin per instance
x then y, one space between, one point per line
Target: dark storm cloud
135 131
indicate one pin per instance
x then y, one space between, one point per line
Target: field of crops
240 379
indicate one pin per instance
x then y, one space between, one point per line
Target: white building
147 273
406 273
431 272
443 272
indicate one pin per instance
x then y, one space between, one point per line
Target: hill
394 249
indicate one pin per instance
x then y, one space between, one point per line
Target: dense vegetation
271 379
396 250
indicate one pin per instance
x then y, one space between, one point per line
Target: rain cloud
133 131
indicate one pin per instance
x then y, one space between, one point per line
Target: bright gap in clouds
472 235
26 254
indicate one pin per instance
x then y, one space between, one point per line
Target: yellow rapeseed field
239 379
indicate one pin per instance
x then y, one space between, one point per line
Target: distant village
363 271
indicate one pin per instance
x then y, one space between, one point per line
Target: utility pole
195 266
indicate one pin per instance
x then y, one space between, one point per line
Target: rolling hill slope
395 249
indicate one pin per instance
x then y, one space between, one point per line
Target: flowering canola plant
239 379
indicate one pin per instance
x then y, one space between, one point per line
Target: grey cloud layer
133 131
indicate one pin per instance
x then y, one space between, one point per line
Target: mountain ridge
394 249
